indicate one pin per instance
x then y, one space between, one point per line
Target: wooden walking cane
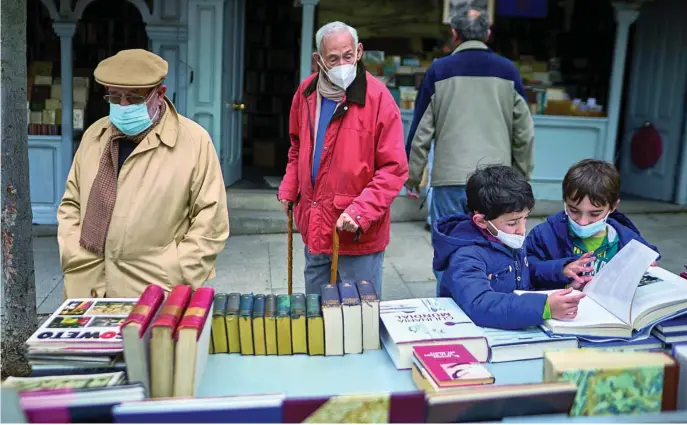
290 249
335 255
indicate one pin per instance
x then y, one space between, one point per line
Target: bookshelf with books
104 29
43 102
270 79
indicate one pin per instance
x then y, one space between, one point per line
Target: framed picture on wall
451 5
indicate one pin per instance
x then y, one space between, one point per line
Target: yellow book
219 343
315 325
284 325
246 324
299 336
259 325
232 322
271 324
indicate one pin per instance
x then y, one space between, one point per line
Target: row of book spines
249 305
267 335
183 308
348 293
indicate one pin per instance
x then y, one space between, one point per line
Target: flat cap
135 68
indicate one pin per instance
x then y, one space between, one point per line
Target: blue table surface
317 376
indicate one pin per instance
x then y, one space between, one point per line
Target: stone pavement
257 263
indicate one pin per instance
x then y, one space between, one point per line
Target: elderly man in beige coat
145 201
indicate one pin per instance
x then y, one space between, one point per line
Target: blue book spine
348 294
330 296
258 415
246 305
367 291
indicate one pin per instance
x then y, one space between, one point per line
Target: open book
625 295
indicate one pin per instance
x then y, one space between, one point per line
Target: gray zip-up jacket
473 105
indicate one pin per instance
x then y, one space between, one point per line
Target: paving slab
423 289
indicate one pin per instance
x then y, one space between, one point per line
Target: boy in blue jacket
482 258
572 246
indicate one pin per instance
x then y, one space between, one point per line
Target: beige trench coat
170 219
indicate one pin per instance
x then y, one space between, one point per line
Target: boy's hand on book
563 304
579 266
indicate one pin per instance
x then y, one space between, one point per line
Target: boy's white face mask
510 240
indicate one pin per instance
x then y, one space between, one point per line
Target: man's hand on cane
286 204
346 222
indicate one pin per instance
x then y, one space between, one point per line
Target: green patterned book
615 383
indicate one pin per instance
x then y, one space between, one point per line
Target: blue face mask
587 230
131 119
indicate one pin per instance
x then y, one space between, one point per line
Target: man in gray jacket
472 104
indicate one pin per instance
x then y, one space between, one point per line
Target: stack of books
343 319
407 324
73 399
671 331
82 336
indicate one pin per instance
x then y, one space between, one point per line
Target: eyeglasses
130 99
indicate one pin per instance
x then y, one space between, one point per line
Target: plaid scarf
103 195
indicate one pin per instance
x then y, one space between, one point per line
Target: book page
659 288
589 313
614 286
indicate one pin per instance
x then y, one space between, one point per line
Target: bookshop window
43 89
105 28
561 73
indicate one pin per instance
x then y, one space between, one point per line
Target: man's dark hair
496 190
470 27
599 180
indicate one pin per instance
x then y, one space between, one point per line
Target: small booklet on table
622 297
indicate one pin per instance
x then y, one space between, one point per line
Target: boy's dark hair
599 180
496 190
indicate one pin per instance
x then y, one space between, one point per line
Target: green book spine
312 305
297 306
283 306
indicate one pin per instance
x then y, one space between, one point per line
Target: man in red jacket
347 162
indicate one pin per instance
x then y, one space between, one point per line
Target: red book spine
174 307
146 307
197 312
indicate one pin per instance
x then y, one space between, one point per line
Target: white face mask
510 240
342 75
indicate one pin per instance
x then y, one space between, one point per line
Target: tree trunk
18 279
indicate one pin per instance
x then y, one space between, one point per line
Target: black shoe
428 227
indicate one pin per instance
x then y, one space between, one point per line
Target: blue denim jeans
351 268
447 200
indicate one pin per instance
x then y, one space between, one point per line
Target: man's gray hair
470 27
331 28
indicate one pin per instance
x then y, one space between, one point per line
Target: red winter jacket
363 166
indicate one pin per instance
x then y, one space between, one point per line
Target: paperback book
86 325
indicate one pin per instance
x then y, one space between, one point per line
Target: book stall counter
305 376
